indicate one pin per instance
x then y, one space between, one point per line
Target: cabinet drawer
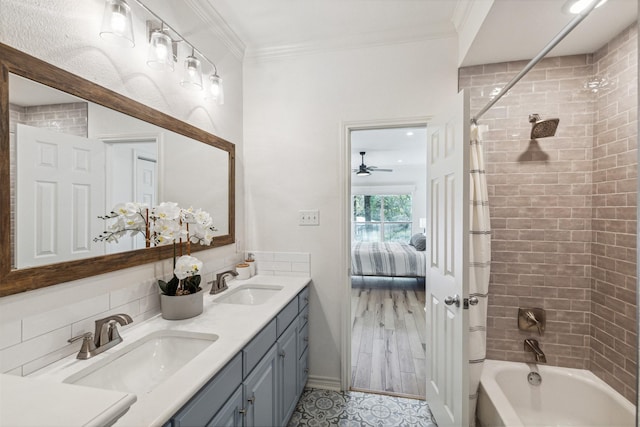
286 316
303 338
303 298
258 347
211 397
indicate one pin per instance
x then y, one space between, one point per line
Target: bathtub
565 397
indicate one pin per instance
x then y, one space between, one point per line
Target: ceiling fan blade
381 170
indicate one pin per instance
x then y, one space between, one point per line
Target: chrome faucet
532 345
106 335
221 281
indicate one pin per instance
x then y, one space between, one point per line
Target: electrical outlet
311 217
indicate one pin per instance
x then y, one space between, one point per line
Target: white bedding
394 259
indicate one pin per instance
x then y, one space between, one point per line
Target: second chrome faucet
106 335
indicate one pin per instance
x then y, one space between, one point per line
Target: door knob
473 301
450 300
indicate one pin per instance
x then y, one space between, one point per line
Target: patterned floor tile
325 408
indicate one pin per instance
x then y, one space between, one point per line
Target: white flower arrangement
164 224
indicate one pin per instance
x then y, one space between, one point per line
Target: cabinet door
230 414
261 392
288 366
303 372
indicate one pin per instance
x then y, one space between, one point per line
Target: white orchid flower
187 266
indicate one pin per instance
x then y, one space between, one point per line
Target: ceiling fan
365 170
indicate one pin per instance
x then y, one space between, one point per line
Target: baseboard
324 383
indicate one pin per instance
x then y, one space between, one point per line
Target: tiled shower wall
613 271
545 208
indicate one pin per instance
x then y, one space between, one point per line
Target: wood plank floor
388 335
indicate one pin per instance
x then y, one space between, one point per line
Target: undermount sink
147 362
249 294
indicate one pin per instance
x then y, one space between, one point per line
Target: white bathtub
566 397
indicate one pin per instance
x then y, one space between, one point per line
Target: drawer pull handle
306 370
252 400
242 411
283 354
306 339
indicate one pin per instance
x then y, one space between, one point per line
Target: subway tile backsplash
35 327
282 263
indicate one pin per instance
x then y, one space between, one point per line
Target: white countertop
234 324
36 402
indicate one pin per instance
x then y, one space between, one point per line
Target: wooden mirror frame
13 281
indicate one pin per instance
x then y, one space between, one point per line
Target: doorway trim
346 127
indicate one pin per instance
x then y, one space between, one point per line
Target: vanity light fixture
216 91
192 72
163 46
117 23
161 54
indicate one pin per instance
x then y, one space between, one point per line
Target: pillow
419 241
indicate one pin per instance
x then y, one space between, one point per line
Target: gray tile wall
548 200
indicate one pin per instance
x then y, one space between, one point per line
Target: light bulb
117 24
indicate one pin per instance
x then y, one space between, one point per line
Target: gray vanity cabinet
261 385
288 366
230 415
261 392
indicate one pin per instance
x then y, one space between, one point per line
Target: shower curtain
479 267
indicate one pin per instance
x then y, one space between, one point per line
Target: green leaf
163 286
172 286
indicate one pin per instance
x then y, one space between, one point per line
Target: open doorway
388 263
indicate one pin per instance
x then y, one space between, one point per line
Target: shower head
542 128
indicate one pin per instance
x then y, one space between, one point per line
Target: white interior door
448 219
60 181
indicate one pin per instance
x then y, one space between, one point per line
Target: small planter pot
181 307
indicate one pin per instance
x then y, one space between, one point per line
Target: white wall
65 33
294 111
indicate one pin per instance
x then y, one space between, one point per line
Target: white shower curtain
479 267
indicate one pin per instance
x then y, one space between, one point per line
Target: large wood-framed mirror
142 155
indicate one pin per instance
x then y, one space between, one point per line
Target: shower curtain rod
561 35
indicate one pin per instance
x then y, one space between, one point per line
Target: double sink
145 363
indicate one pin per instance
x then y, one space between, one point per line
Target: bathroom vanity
248 366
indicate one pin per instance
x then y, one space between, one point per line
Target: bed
394 259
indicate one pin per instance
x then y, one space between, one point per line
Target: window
380 218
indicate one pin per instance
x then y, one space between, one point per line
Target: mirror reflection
73 161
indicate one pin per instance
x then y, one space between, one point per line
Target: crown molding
358 42
217 25
461 13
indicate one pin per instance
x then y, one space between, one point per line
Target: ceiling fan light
363 172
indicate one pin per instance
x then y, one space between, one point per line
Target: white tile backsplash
282 263
35 327
10 333
32 326
30 350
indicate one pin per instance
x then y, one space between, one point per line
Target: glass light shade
117 23
160 56
216 91
580 5
192 74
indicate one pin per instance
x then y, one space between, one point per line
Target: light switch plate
309 217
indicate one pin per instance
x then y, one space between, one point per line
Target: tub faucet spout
532 345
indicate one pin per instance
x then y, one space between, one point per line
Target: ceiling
511 30
389 147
